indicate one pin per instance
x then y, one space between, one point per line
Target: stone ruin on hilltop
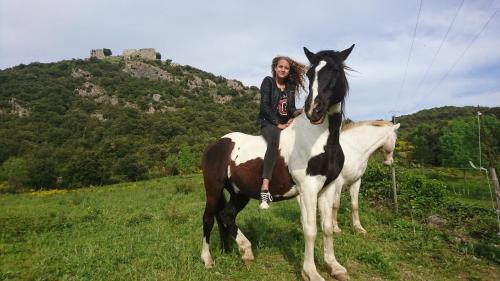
145 54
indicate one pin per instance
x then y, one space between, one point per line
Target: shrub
417 195
85 168
183 163
41 166
15 173
130 167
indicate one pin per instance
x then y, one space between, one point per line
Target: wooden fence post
494 179
394 190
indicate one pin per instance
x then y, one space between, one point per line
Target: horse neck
303 134
366 139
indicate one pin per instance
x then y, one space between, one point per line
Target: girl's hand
298 112
282 126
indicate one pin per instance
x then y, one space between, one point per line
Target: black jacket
269 97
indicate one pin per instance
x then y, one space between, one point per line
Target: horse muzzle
316 115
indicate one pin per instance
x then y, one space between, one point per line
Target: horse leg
215 202
236 204
308 208
325 202
208 223
223 230
337 190
354 191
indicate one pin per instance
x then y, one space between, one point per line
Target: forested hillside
448 136
90 122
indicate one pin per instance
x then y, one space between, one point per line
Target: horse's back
246 147
246 163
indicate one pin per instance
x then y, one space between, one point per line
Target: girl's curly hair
296 74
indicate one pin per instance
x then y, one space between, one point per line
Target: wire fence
465 183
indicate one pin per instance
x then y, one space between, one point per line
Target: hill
83 122
448 136
91 122
440 116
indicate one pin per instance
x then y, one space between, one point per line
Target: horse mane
376 123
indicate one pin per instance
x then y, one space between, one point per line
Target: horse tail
215 163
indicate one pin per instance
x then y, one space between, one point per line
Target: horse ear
397 126
345 53
310 55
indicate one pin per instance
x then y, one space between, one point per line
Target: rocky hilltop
95 121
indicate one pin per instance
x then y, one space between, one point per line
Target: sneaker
265 199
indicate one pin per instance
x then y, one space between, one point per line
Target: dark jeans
271 134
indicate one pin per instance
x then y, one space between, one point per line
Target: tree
458 144
41 167
14 171
131 168
187 163
85 168
425 139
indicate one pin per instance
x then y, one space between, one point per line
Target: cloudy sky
453 59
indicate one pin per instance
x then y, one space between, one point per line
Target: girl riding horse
277 110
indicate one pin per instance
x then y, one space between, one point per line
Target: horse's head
327 83
389 144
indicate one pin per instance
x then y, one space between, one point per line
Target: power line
465 50
441 45
411 50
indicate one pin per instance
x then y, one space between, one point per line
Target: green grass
470 186
152 230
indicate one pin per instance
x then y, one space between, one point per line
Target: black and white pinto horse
310 158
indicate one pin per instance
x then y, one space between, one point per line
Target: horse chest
328 163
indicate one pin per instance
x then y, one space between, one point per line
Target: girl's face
282 69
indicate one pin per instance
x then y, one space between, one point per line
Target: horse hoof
209 263
360 230
314 278
337 229
248 260
341 276
247 256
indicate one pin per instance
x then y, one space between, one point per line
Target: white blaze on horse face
314 87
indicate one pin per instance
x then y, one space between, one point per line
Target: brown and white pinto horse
310 158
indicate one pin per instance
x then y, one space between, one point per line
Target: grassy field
152 230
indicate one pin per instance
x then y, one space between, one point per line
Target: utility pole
479 134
